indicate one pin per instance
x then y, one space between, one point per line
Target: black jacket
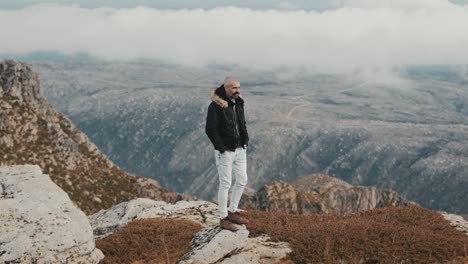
220 122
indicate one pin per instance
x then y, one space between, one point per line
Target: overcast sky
319 5
332 35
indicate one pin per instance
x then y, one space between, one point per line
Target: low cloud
360 34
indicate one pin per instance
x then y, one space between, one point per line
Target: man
225 126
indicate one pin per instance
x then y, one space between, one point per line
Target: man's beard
234 95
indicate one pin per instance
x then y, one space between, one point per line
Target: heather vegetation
149 241
388 235
408 234
84 175
458 260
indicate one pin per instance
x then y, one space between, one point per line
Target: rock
106 222
5 105
278 196
320 194
38 221
19 81
260 250
49 139
7 141
337 196
149 188
210 245
215 245
456 221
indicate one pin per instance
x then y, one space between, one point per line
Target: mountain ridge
411 139
32 132
320 194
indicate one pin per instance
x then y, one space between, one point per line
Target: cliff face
320 194
32 132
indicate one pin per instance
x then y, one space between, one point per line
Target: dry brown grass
388 235
149 241
458 260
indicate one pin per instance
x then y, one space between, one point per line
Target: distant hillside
319 194
32 132
409 136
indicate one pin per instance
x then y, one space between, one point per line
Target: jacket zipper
235 126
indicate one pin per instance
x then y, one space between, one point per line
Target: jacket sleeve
211 128
246 135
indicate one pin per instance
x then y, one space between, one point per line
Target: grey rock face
278 197
108 221
456 221
19 81
320 194
215 245
38 221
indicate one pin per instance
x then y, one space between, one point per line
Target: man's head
232 87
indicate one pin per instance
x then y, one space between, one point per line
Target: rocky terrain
319 194
32 132
38 221
40 224
41 220
210 245
407 133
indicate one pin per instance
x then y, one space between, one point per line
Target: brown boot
225 223
236 218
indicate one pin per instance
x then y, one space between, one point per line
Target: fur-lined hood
218 95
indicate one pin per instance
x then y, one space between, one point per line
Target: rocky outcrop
32 132
108 221
19 82
210 245
215 245
38 221
276 196
320 194
456 221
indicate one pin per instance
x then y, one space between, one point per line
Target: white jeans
229 163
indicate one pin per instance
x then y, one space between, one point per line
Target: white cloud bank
360 34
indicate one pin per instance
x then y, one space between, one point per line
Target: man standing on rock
225 126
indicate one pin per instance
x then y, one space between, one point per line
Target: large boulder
215 245
38 221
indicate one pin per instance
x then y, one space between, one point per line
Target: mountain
408 133
320 194
32 132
